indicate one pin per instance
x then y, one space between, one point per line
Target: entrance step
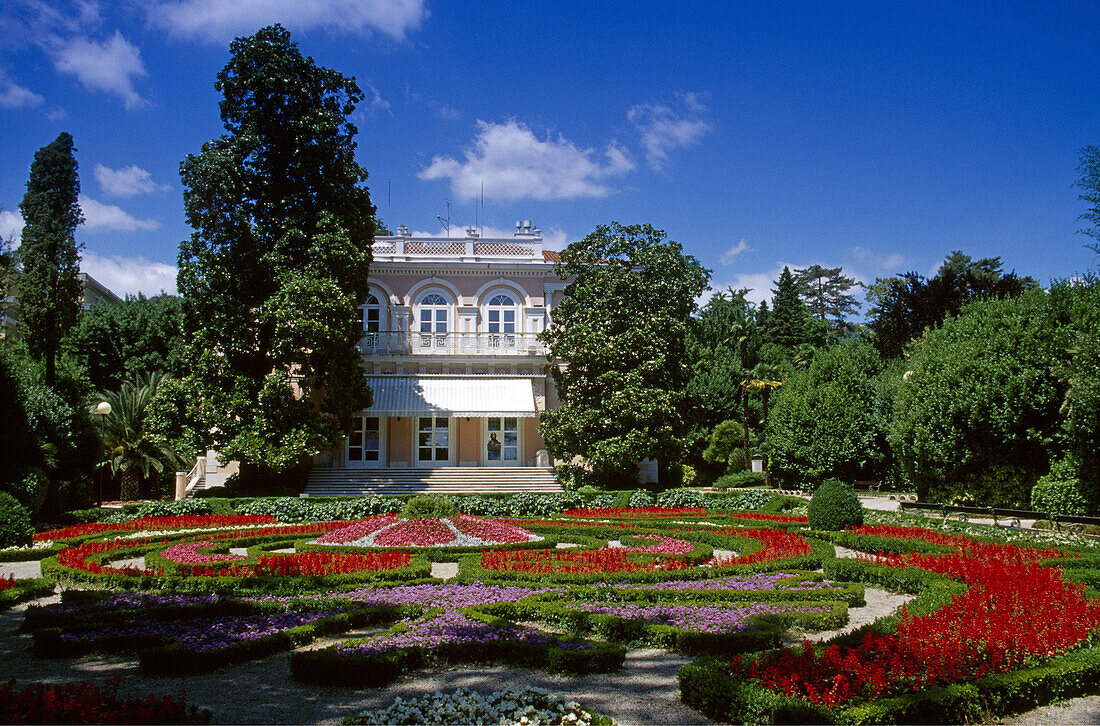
444 480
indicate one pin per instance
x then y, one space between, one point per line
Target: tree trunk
763 431
131 484
745 428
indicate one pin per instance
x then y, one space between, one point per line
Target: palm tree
762 379
129 450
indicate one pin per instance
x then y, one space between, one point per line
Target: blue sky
875 136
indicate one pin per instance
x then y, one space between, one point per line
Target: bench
867 486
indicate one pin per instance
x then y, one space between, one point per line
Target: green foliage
188 506
903 307
726 446
49 285
740 500
131 450
622 326
15 522
740 479
425 506
47 430
790 324
1082 402
1059 492
834 506
824 290
641 498
1089 183
824 420
681 498
976 416
115 341
277 268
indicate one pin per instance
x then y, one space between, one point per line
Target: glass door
433 441
364 447
501 441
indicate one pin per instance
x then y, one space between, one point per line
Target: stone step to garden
448 480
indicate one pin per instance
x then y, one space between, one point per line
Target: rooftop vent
403 231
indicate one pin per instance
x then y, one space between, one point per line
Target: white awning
473 396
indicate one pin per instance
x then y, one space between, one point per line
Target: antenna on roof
446 222
482 230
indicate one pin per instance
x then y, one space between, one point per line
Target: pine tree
788 324
49 286
825 292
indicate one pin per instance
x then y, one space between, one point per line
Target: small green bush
740 480
15 522
641 498
835 506
1059 492
423 506
181 507
30 489
681 498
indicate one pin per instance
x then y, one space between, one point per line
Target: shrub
15 522
641 498
481 506
424 506
740 479
688 476
681 498
835 506
168 509
1059 492
741 500
30 489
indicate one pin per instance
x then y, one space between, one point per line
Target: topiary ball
15 522
834 507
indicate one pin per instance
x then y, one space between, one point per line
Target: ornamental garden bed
994 625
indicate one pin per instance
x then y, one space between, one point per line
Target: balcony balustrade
457 344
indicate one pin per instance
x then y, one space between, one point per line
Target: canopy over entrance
478 396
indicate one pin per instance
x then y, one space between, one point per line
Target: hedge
328 666
25 590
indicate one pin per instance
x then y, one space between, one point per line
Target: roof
550 256
430 395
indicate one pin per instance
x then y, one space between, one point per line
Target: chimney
403 231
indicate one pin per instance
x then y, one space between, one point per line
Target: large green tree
131 449
825 291
903 307
277 266
790 324
826 420
1089 183
619 336
976 417
49 286
114 341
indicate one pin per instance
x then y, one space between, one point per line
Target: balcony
453 344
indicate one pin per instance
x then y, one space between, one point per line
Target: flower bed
87 703
358 530
188 554
1016 611
778 544
661 546
313 564
636 512
159 523
585 562
529 706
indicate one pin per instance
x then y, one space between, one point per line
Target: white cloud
127 181
219 21
99 217
662 129
729 255
377 103
514 164
890 264
130 275
11 226
110 66
12 95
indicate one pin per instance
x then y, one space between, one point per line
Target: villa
451 351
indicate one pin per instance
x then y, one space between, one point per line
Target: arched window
371 314
434 313
501 314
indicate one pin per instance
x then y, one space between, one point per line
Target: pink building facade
451 351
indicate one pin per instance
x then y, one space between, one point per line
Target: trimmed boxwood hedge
25 590
328 666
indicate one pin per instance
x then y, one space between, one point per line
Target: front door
364 448
433 441
501 442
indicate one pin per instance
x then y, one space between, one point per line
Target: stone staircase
448 480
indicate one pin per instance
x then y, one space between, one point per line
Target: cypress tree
49 288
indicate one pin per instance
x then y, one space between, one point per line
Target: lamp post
103 410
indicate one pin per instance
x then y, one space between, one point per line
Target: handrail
197 474
414 343
996 513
